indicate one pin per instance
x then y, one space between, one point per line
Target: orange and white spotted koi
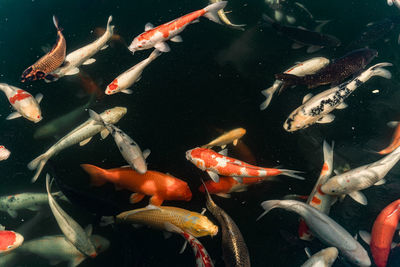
4 153
23 102
157 37
9 240
317 198
216 164
201 254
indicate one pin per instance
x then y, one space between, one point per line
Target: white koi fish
307 67
316 109
222 16
129 149
73 232
23 102
4 153
324 228
83 55
324 258
81 134
129 77
157 37
350 182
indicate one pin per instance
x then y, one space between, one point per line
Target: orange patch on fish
316 200
113 85
20 95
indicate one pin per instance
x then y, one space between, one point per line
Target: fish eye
9 246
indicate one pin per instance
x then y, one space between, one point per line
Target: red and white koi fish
23 102
9 240
317 198
395 143
4 153
202 257
380 241
157 37
216 164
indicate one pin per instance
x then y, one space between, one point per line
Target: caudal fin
55 21
292 174
268 206
212 11
154 54
96 117
96 174
269 93
38 165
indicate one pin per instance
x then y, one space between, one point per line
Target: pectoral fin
177 39
313 48
392 124
297 46
365 236
214 176
326 119
235 142
104 47
84 142
76 261
163 47
359 197
72 71
89 230
12 213
148 26
224 195
146 153
156 200
136 197
342 106
238 179
307 97
13 115
89 61
104 133
39 97
380 182
127 91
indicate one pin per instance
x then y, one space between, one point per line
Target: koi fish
324 228
317 198
192 222
9 240
83 55
90 86
158 185
81 134
324 258
129 77
234 248
316 109
58 249
395 143
216 164
23 102
49 62
361 178
380 241
337 71
232 136
4 153
129 149
73 232
222 16
157 37
395 2
200 252
30 201
307 67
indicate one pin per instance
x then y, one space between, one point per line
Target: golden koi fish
194 223
229 137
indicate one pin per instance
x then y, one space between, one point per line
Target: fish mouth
188 156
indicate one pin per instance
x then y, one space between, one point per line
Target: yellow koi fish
229 137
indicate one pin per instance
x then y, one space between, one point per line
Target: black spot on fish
358 82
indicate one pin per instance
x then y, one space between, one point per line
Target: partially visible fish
90 86
324 258
4 153
395 2
395 143
232 136
9 240
222 16
42 68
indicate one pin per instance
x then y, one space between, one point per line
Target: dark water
210 81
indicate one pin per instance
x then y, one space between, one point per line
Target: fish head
30 109
112 87
179 190
358 256
224 185
139 44
140 165
113 115
196 157
333 186
297 121
100 243
202 226
10 240
329 255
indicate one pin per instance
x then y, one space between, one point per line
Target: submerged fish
395 143
23 102
302 36
9 240
324 228
4 153
301 69
129 149
49 62
324 258
192 222
336 72
317 109
232 136
158 185
222 16
216 164
89 85
73 232
380 240
81 134
234 248
129 77
157 37
83 55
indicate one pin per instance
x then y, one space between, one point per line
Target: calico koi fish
23 102
4 153
395 143
158 185
157 37
9 240
192 222
216 164
380 241
232 136
49 62
200 252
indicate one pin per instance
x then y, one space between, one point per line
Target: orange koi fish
152 183
395 143
49 62
216 164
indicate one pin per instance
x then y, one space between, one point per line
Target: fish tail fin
55 21
96 117
96 174
268 93
154 54
268 206
289 79
382 73
212 11
328 154
110 28
291 173
38 165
